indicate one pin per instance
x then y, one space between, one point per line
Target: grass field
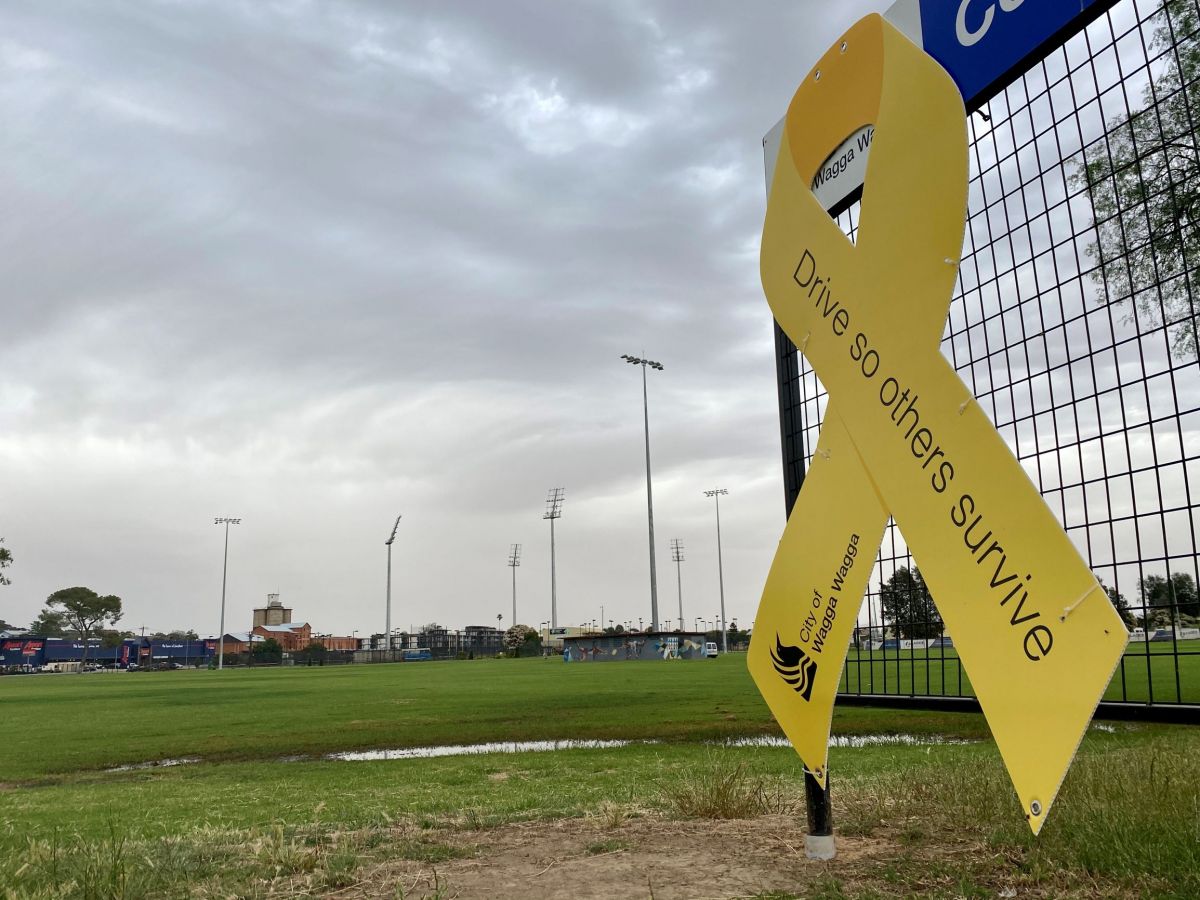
938 819
1146 671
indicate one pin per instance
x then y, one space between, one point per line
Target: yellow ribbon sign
903 436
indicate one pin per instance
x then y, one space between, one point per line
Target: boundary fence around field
1074 326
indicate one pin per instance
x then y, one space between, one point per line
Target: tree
175 635
738 637
110 637
5 561
85 611
1187 601
520 638
1120 604
532 646
269 650
1144 184
50 624
1167 598
314 652
908 605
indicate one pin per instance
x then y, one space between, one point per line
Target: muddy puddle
156 764
765 741
853 740
508 747
476 749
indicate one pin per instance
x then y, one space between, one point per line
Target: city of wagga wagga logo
821 617
794 667
792 663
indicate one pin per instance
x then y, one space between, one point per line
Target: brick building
274 622
334 642
291 636
238 641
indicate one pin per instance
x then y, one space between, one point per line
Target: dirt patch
657 858
654 858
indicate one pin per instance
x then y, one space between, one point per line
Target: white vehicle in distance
710 649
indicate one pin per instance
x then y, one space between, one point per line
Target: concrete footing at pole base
819 846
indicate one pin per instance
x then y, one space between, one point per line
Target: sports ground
1164 672
683 810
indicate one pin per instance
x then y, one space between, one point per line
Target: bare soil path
663 859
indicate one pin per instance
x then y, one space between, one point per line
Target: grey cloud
316 264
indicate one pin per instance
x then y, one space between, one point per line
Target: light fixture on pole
657 366
514 560
554 501
224 573
387 636
678 557
716 495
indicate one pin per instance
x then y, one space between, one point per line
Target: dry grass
724 787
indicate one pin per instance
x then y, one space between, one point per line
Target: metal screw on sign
1035 808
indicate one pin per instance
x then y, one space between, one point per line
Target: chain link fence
1074 324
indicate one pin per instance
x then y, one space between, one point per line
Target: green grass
71 723
239 715
242 823
1145 671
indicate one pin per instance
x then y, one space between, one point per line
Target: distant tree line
909 607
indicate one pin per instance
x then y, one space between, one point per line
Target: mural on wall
617 647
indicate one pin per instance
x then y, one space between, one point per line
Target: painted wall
621 647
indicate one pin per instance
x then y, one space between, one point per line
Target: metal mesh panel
1073 325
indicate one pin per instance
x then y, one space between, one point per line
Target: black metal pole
819 842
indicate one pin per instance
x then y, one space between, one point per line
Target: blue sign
980 41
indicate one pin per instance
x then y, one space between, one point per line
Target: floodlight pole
387 638
514 560
677 555
716 495
222 520
638 361
554 501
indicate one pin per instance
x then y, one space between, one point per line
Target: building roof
285 627
633 635
241 636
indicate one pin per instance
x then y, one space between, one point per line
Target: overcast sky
319 264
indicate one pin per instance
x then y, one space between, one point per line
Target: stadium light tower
554 502
221 520
716 495
657 366
678 557
514 560
387 638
